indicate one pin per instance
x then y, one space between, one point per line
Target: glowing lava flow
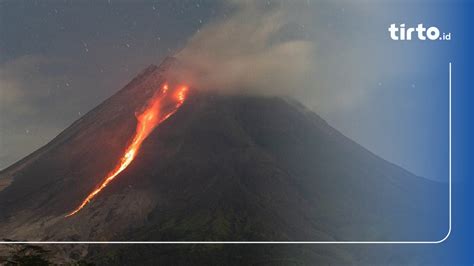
147 121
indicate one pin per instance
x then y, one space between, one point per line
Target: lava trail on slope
157 110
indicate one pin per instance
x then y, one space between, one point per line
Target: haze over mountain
224 167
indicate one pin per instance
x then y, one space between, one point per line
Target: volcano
222 167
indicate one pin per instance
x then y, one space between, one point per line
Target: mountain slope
223 167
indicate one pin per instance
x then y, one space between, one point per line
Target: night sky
59 59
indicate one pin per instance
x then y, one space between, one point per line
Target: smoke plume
247 51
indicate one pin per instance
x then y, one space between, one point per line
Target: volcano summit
213 167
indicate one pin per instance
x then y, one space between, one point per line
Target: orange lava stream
147 121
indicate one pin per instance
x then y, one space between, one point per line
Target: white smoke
244 52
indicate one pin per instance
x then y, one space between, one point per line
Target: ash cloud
247 51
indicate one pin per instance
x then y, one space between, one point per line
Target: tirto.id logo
402 33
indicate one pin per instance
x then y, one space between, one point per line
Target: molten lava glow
151 117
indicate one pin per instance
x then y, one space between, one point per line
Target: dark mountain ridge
223 167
